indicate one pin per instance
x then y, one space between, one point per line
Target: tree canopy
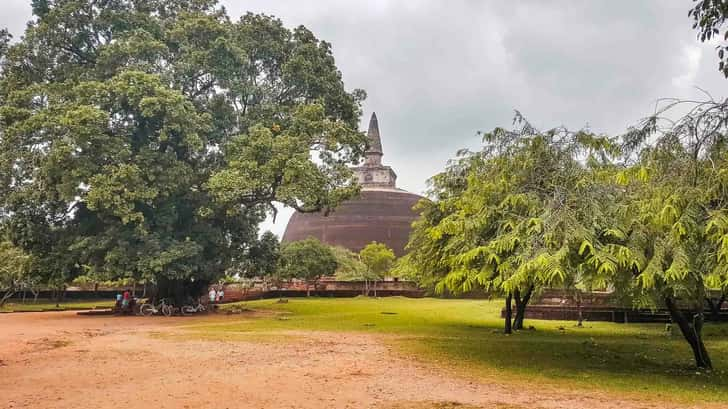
307 260
14 270
349 266
709 16
148 139
378 259
642 215
515 216
260 259
669 232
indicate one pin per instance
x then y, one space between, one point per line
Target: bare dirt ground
61 360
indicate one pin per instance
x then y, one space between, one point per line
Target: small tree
13 270
378 259
350 267
307 260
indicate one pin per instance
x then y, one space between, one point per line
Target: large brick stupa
381 212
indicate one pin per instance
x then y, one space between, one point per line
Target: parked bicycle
192 309
149 309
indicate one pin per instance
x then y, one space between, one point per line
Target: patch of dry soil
60 360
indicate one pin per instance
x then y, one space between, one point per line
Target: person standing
212 294
125 300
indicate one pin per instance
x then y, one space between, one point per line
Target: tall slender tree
378 259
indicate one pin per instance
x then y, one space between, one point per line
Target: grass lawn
466 335
46 304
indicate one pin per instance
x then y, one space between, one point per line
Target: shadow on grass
467 334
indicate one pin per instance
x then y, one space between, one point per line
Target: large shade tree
147 139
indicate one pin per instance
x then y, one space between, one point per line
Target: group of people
216 295
125 301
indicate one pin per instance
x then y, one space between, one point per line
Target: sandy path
60 360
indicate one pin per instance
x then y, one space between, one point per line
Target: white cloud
691 56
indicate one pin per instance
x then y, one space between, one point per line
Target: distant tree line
310 260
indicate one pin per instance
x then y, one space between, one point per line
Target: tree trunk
517 318
580 319
521 304
375 288
58 295
509 313
174 290
692 332
6 296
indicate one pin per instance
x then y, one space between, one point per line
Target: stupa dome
380 213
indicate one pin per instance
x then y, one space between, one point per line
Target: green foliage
671 226
349 266
147 140
378 259
14 270
260 259
517 215
709 16
307 260
644 217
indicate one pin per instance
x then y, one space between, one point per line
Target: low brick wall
237 292
596 306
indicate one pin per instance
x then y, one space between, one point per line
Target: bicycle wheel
167 310
188 309
146 310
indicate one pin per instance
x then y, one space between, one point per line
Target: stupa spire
375 141
371 173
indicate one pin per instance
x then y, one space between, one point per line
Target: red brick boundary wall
597 306
239 292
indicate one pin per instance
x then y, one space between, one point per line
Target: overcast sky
436 72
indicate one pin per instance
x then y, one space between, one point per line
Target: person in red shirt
125 300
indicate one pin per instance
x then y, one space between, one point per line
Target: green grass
466 335
46 304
